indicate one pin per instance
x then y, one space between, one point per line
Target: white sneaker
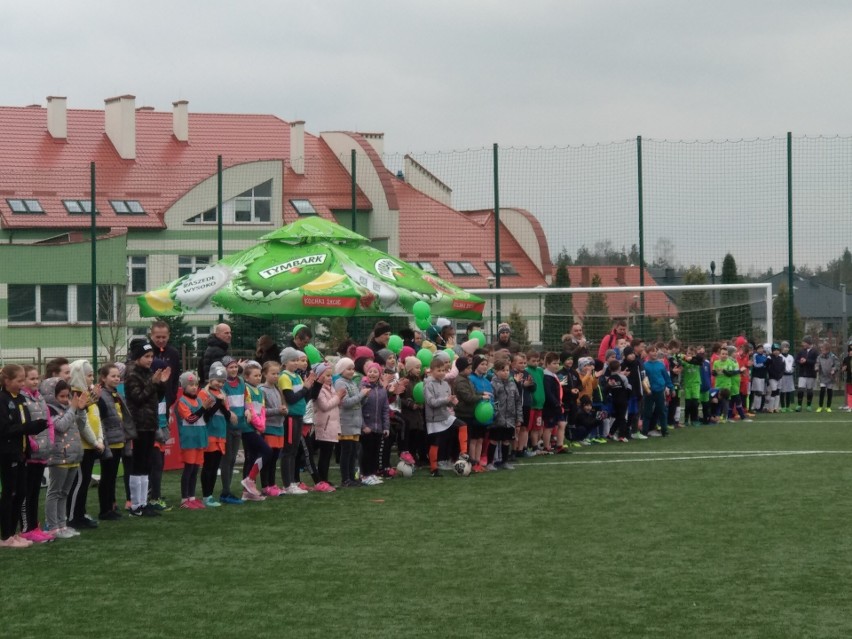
508 466
63 533
444 465
250 486
372 480
491 467
74 532
247 496
294 489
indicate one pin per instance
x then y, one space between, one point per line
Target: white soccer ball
462 468
406 470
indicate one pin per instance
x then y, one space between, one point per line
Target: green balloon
395 344
417 393
450 353
423 323
421 309
484 412
479 336
425 357
314 356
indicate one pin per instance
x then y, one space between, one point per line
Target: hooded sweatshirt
68 423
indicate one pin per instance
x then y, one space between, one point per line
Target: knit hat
469 347
139 347
186 378
405 353
382 328
342 364
364 351
217 372
776 346
384 353
462 364
371 365
411 363
732 350
476 361
80 370
320 368
289 354
442 322
227 360
441 356
785 344
504 328
585 361
740 341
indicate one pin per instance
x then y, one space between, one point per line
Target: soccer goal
698 314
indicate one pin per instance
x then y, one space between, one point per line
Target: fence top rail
767 286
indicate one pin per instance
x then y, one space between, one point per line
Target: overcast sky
440 75
454 74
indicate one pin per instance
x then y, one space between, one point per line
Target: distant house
627 304
819 305
157 218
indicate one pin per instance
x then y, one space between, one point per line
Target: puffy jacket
67 444
39 445
508 402
468 398
15 425
351 418
375 409
114 426
215 351
327 415
412 412
143 395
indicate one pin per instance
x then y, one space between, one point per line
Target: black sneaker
435 473
83 522
135 512
149 511
110 516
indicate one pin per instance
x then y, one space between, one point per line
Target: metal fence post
354 194
220 232
642 322
791 304
93 237
497 268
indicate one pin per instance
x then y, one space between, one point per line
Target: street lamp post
844 328
713 282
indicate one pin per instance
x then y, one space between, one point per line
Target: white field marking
787 453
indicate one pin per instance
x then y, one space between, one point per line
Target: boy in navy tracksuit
618 389
551 412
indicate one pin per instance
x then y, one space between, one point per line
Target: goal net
698 314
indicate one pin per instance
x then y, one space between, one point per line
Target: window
461 268
198 334
137 275
506 268
61 303
249 207
425 266
127 207
78 207
108 300
22 303
25 206
188 264
303 207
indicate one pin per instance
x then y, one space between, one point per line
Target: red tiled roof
33 164
657 304
430 231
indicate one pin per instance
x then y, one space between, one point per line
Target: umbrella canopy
311 267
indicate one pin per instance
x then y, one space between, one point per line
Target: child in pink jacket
326 421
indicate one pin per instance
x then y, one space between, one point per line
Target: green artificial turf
711 532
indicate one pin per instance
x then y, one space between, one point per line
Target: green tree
781 318
518 325
696 320
735 311
558 311
596 322
245 329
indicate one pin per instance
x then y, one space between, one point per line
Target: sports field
736 530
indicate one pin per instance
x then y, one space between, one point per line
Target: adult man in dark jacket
217 347
504 340
166 356
574 343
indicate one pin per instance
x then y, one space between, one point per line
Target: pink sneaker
197 503
407 458
271 491
187 505
304 486
34 536
250 486
324 487
247 496
44 535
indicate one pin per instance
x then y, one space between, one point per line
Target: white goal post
760 294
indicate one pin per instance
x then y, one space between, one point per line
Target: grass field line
783 453
706 452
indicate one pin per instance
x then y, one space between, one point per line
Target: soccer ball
406 470
462 468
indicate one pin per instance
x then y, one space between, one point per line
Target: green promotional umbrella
311 267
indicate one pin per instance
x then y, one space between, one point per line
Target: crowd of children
484 406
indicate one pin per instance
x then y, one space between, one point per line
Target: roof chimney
120 125
297 146
180 120
57 117
585 281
